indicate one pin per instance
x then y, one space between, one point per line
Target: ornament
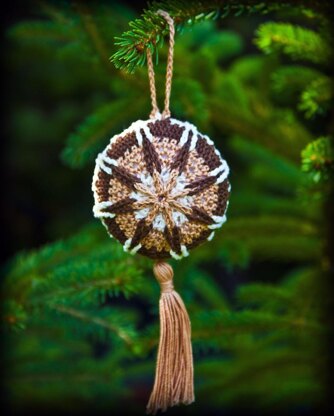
161 188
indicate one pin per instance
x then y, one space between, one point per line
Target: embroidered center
164 200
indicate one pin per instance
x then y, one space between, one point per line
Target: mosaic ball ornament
161 188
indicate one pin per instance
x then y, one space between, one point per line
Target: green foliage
316 97
81 270
292 40
83 145
272 332
80 314
289 81
149 30
318 159
14 315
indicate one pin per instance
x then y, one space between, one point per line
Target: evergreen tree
80 314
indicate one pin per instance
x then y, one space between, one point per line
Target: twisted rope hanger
169 71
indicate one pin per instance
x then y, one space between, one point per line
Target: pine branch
293 40
292 370
120 332
289 81
14 316
316 97
287 172
213 324
251 201
275 225
149 30
265 295
208 290
80 270
275 129
93 34
318 159
24 266
46 368
238 250
49 32
72 30
94 131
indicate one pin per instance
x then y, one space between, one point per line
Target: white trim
184 253
175 256
217 170
139 137
187 129
184 250
215 226
224 174
127 244
193 142
106 227
148 133
211 236
101 214
100 163
135 249
179 123
208 140
103 155
103 204
218 220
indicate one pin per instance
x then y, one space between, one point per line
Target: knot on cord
164 274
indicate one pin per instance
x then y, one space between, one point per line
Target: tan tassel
174 374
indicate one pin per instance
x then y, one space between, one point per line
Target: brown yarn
169 71
159 127
174 370
151 77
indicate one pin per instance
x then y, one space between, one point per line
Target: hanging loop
155 109
169 71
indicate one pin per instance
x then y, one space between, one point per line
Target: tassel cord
174 370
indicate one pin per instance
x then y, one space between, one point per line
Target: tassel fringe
174 370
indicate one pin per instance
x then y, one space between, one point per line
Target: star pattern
161 197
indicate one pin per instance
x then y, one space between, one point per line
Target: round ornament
161 188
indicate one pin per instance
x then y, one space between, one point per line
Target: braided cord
169 70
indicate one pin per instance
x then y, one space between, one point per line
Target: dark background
26 205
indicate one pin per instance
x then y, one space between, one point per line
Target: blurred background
80 316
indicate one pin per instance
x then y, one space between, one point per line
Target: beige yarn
174 371
169 70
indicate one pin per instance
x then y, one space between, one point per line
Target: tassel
174 374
